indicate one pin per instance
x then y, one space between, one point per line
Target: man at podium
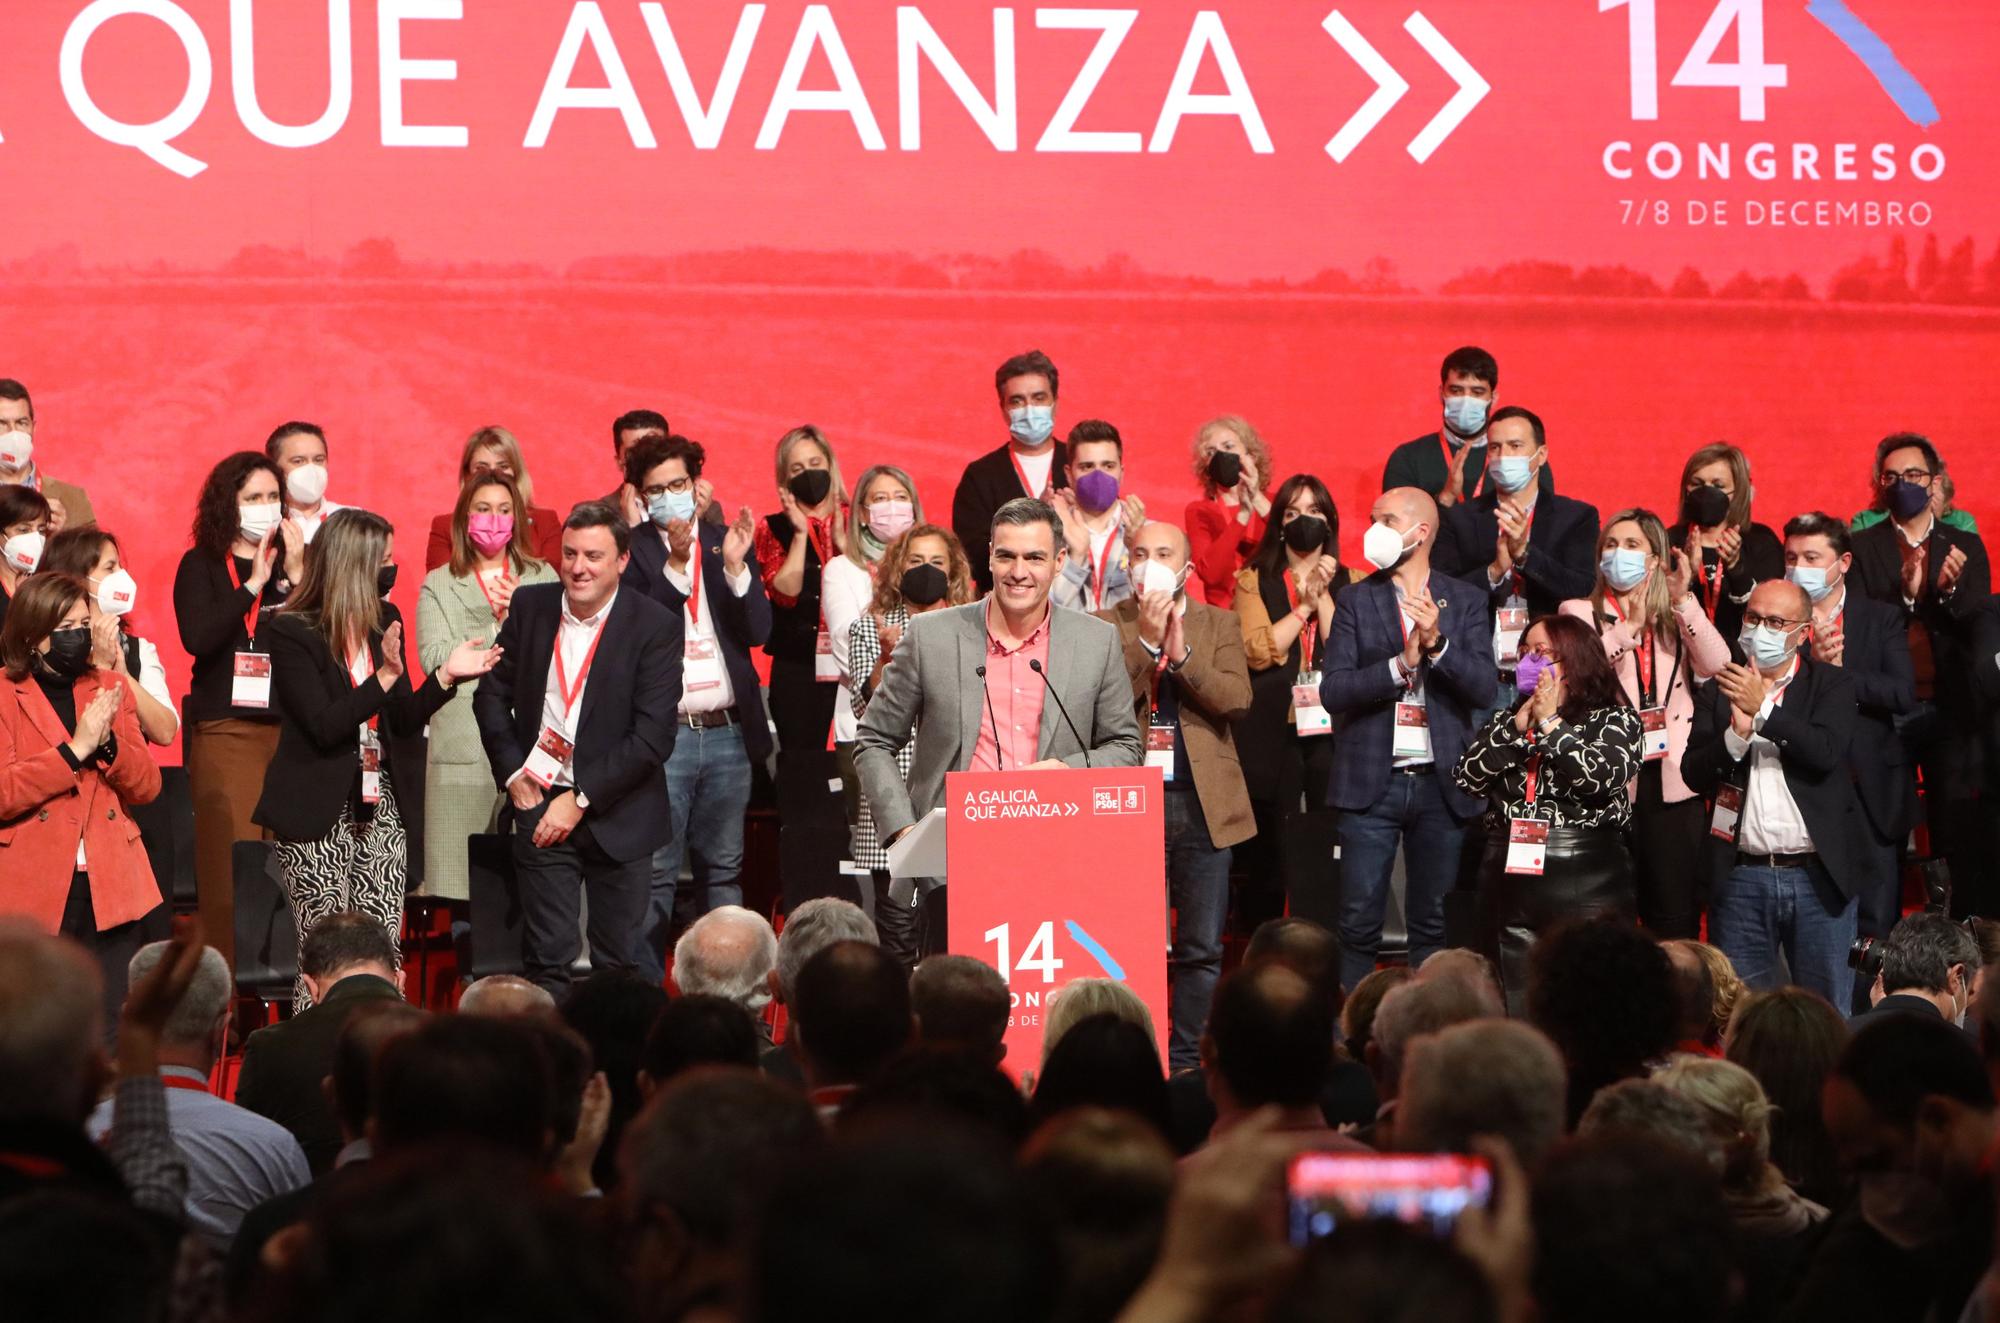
1002 684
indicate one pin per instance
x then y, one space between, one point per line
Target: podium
1058 875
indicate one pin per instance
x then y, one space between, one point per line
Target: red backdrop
402 290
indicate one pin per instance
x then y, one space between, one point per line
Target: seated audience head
921 1089
629 427
1603 991
1730 990
194 1033
343 945
1467 965
1909 1107
1484 1077
1269 1041
1084 997
1026 385
1028 545
1736 1114
81 1256
1790 1039
1357 1013
1517 446
1906 469
1421 1006
1694 995
472 1078
1383 1271
696 1168
728 952
960 1215
1468 384
357 1048
1632 1229
613 1010
962 1005
1653 1111
851 1014
697 1030
1986 934
1105 1061
240 501
52 1063
1307 948
501 995
1231 435
810 928
1933 957
1100 1179
1304 522
1985 1018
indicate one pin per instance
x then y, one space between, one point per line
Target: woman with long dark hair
1557 770
244 559
338 671
1284 601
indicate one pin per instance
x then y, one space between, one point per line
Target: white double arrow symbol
1389 86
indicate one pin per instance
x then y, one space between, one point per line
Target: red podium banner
1057 876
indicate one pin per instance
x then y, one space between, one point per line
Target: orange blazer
45 808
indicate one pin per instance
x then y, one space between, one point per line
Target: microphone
998 766
1036 667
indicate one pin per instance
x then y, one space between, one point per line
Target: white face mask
23 552
306 483
117 592
1155 577
1383 547
17 449
256 520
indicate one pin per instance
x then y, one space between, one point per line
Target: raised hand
1744 686
391 669
704 496
262 562
738 541
1131 513
469 660
1454 480
1075 536
1729 542
502 590
93 724
887 637
1548 696
293 540
1680 578
680 540
1950 572
788 506
106 654
1155 608
1513 531
1423 609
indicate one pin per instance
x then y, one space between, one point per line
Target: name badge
700 668
824 666
250 686
1308 712
1413 731
1527 845
545 762
1654 721
1160 749
371 773
1509 623
1728 811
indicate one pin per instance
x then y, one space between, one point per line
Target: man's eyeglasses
1755 621
1920 477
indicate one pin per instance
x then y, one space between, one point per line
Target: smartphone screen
1326 1189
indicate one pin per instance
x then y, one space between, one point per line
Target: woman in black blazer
1731 552
339 684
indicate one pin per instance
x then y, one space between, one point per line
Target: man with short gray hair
729 952
1483 1077
1928 963
1410 1011
809 929
235 1158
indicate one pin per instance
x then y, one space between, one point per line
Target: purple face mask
1528 673
1096 490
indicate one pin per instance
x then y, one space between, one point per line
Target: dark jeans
553 880
1669 853
1758 912
113 947
1412 813
708 789
1198 887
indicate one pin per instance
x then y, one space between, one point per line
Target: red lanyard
1534 775
1021 471
1711 578
1102 566
820 533
1309 636
357 671
249 620
1643 657
568 692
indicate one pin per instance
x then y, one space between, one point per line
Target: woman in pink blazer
72 762
1662 644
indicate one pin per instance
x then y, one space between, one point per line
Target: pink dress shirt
1016 693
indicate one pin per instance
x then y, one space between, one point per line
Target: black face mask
1706 506
68 657
385 579
1225 469
810 486
1306 534
924 585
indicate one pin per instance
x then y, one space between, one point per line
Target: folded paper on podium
919 852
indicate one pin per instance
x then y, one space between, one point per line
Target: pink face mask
490 533
889 520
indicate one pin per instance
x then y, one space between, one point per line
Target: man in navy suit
577 719
1531 549
722 733
1867 639
1408 665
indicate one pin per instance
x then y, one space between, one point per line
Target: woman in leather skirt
1557 771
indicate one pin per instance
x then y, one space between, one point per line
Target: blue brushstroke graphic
1901 85
1097 952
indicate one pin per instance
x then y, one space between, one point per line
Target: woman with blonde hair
338 678
1084 997
494 450
924 569
1224 527
1661 644
468 597
1730 553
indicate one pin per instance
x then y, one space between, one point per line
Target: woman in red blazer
494 450
72 762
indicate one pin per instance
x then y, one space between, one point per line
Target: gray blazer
931 684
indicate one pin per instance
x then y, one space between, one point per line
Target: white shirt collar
570 618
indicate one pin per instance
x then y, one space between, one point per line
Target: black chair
497 941
166 828
267 935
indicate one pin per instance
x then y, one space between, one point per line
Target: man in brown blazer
68 504
1189 684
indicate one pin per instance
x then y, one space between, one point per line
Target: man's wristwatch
582 800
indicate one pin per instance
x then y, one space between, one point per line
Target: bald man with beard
1190 684
1409 669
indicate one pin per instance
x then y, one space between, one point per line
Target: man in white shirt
1770 745
1030 463
699 570
299 451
